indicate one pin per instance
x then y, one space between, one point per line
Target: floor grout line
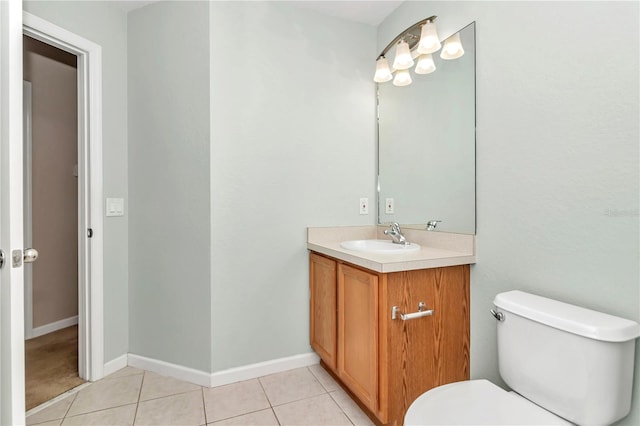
69 407
135 415
97 411
204 405
169 395
264 391
276 416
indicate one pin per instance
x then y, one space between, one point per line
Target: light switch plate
115 206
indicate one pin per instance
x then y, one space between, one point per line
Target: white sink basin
379 246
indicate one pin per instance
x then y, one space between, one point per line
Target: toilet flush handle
497 315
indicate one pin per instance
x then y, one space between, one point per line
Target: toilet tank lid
564 316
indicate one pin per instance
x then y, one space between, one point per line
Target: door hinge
89 233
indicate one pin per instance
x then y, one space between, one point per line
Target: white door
11 220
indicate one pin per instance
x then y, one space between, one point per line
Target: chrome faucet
396 234
431 225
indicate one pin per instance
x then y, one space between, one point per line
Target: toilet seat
476 402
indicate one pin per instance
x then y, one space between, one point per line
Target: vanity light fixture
418 41
383 72
425 64
403 60
429 41
452 47
402 78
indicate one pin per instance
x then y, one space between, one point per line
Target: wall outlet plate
364 206
389 206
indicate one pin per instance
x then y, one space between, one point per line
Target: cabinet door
358 333
322 306
426 352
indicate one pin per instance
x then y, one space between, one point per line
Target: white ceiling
370 12
129 5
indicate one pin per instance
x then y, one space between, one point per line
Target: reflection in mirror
426 146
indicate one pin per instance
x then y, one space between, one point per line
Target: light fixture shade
403 59
383 73
429 40
425 64
402 78
452 47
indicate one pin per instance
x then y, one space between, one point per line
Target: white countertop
437 249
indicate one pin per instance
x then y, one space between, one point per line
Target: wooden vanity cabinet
358 333
419 354
323 308
387 363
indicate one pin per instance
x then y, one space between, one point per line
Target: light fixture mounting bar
411 35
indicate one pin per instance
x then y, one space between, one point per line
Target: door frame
27 109
12 396
90 249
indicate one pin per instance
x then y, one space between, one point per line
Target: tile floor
304 396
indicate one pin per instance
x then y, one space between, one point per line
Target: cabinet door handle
422 312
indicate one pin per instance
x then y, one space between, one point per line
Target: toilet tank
572 361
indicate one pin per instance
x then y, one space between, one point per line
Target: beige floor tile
350 408
120 416
157 386
53 412
316 411
185 409
107 393
50 423
259 418
290 386
126 371
325 379
234 400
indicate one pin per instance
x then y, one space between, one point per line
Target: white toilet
566 364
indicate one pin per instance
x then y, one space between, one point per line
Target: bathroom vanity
390 326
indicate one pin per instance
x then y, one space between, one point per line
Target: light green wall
106 25
293 145
169 137
232 153
558 176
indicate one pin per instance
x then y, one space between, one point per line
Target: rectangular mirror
426 146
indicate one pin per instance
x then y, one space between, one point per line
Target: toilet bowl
476 402
566 365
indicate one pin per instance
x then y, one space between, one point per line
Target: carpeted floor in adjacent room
51 365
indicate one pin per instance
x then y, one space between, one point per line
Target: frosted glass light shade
402 78
403 59
425 64
383 73
429 41
452 47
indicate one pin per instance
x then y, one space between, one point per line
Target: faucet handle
431 225
396 233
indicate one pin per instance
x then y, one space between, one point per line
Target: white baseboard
51 327
260 369
115 365
219 378
187 374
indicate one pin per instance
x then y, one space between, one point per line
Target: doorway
89 213
51 220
